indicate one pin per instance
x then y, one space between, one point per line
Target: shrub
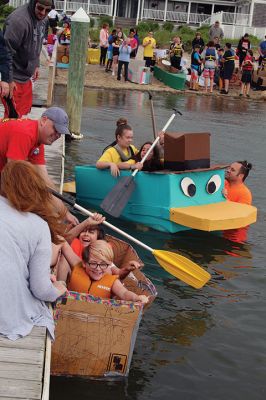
94 35
148 26
5 10
92 22
168 26
163 38
105 19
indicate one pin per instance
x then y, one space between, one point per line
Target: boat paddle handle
89 213
157 139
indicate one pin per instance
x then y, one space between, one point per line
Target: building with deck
244 13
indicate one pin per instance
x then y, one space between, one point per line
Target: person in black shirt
198 41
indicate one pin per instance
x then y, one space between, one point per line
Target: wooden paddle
152 116
175 264
116 200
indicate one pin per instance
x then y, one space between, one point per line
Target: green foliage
105 19
5 10
168 26
92 22
94 35
163 39
148 26
185 30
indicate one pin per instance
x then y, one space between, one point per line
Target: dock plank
14 388
21 371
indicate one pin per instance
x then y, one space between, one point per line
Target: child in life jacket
94 277
210 58
176 53
80 237
195 67
247 68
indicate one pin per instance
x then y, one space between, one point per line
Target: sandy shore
96 77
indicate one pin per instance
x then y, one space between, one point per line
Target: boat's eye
213 184
188 187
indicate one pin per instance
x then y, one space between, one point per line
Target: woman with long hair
119 151
28 225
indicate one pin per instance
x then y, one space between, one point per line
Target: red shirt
133 43
19 141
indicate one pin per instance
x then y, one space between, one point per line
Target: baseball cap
59 118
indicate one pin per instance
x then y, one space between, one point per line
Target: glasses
43 8
95 265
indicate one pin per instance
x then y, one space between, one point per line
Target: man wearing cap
24 139
24 31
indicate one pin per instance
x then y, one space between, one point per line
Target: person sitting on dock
95 278
235 189
24 139
121 151
28 222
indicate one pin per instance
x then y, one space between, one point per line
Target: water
192 344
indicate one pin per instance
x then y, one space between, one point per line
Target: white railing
17 3
227 19
237 31
100 9
72 6
197 18
153 14
176 16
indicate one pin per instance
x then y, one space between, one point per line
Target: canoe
159 201
95 337
175 81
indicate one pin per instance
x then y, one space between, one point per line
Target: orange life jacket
77 247
81 282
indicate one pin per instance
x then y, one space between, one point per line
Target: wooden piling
78 54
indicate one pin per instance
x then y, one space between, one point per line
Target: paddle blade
182 268
115 202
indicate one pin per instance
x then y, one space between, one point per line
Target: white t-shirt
53 14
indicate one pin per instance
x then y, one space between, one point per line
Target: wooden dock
25 363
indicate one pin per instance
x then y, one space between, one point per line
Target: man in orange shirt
235 189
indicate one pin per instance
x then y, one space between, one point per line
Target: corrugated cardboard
186 151
94 339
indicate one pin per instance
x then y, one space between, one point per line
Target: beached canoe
95 337
160 199
175 81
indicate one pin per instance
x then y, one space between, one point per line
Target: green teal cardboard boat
189 196
174 81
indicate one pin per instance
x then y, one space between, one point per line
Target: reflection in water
185 326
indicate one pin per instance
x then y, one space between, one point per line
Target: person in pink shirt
104 34
133 43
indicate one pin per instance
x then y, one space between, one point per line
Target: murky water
206 344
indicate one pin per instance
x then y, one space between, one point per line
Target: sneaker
248 95
223 92
113 74
240 95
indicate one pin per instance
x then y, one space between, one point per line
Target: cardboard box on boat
94 337
186 151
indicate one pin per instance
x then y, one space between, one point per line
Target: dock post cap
80 16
